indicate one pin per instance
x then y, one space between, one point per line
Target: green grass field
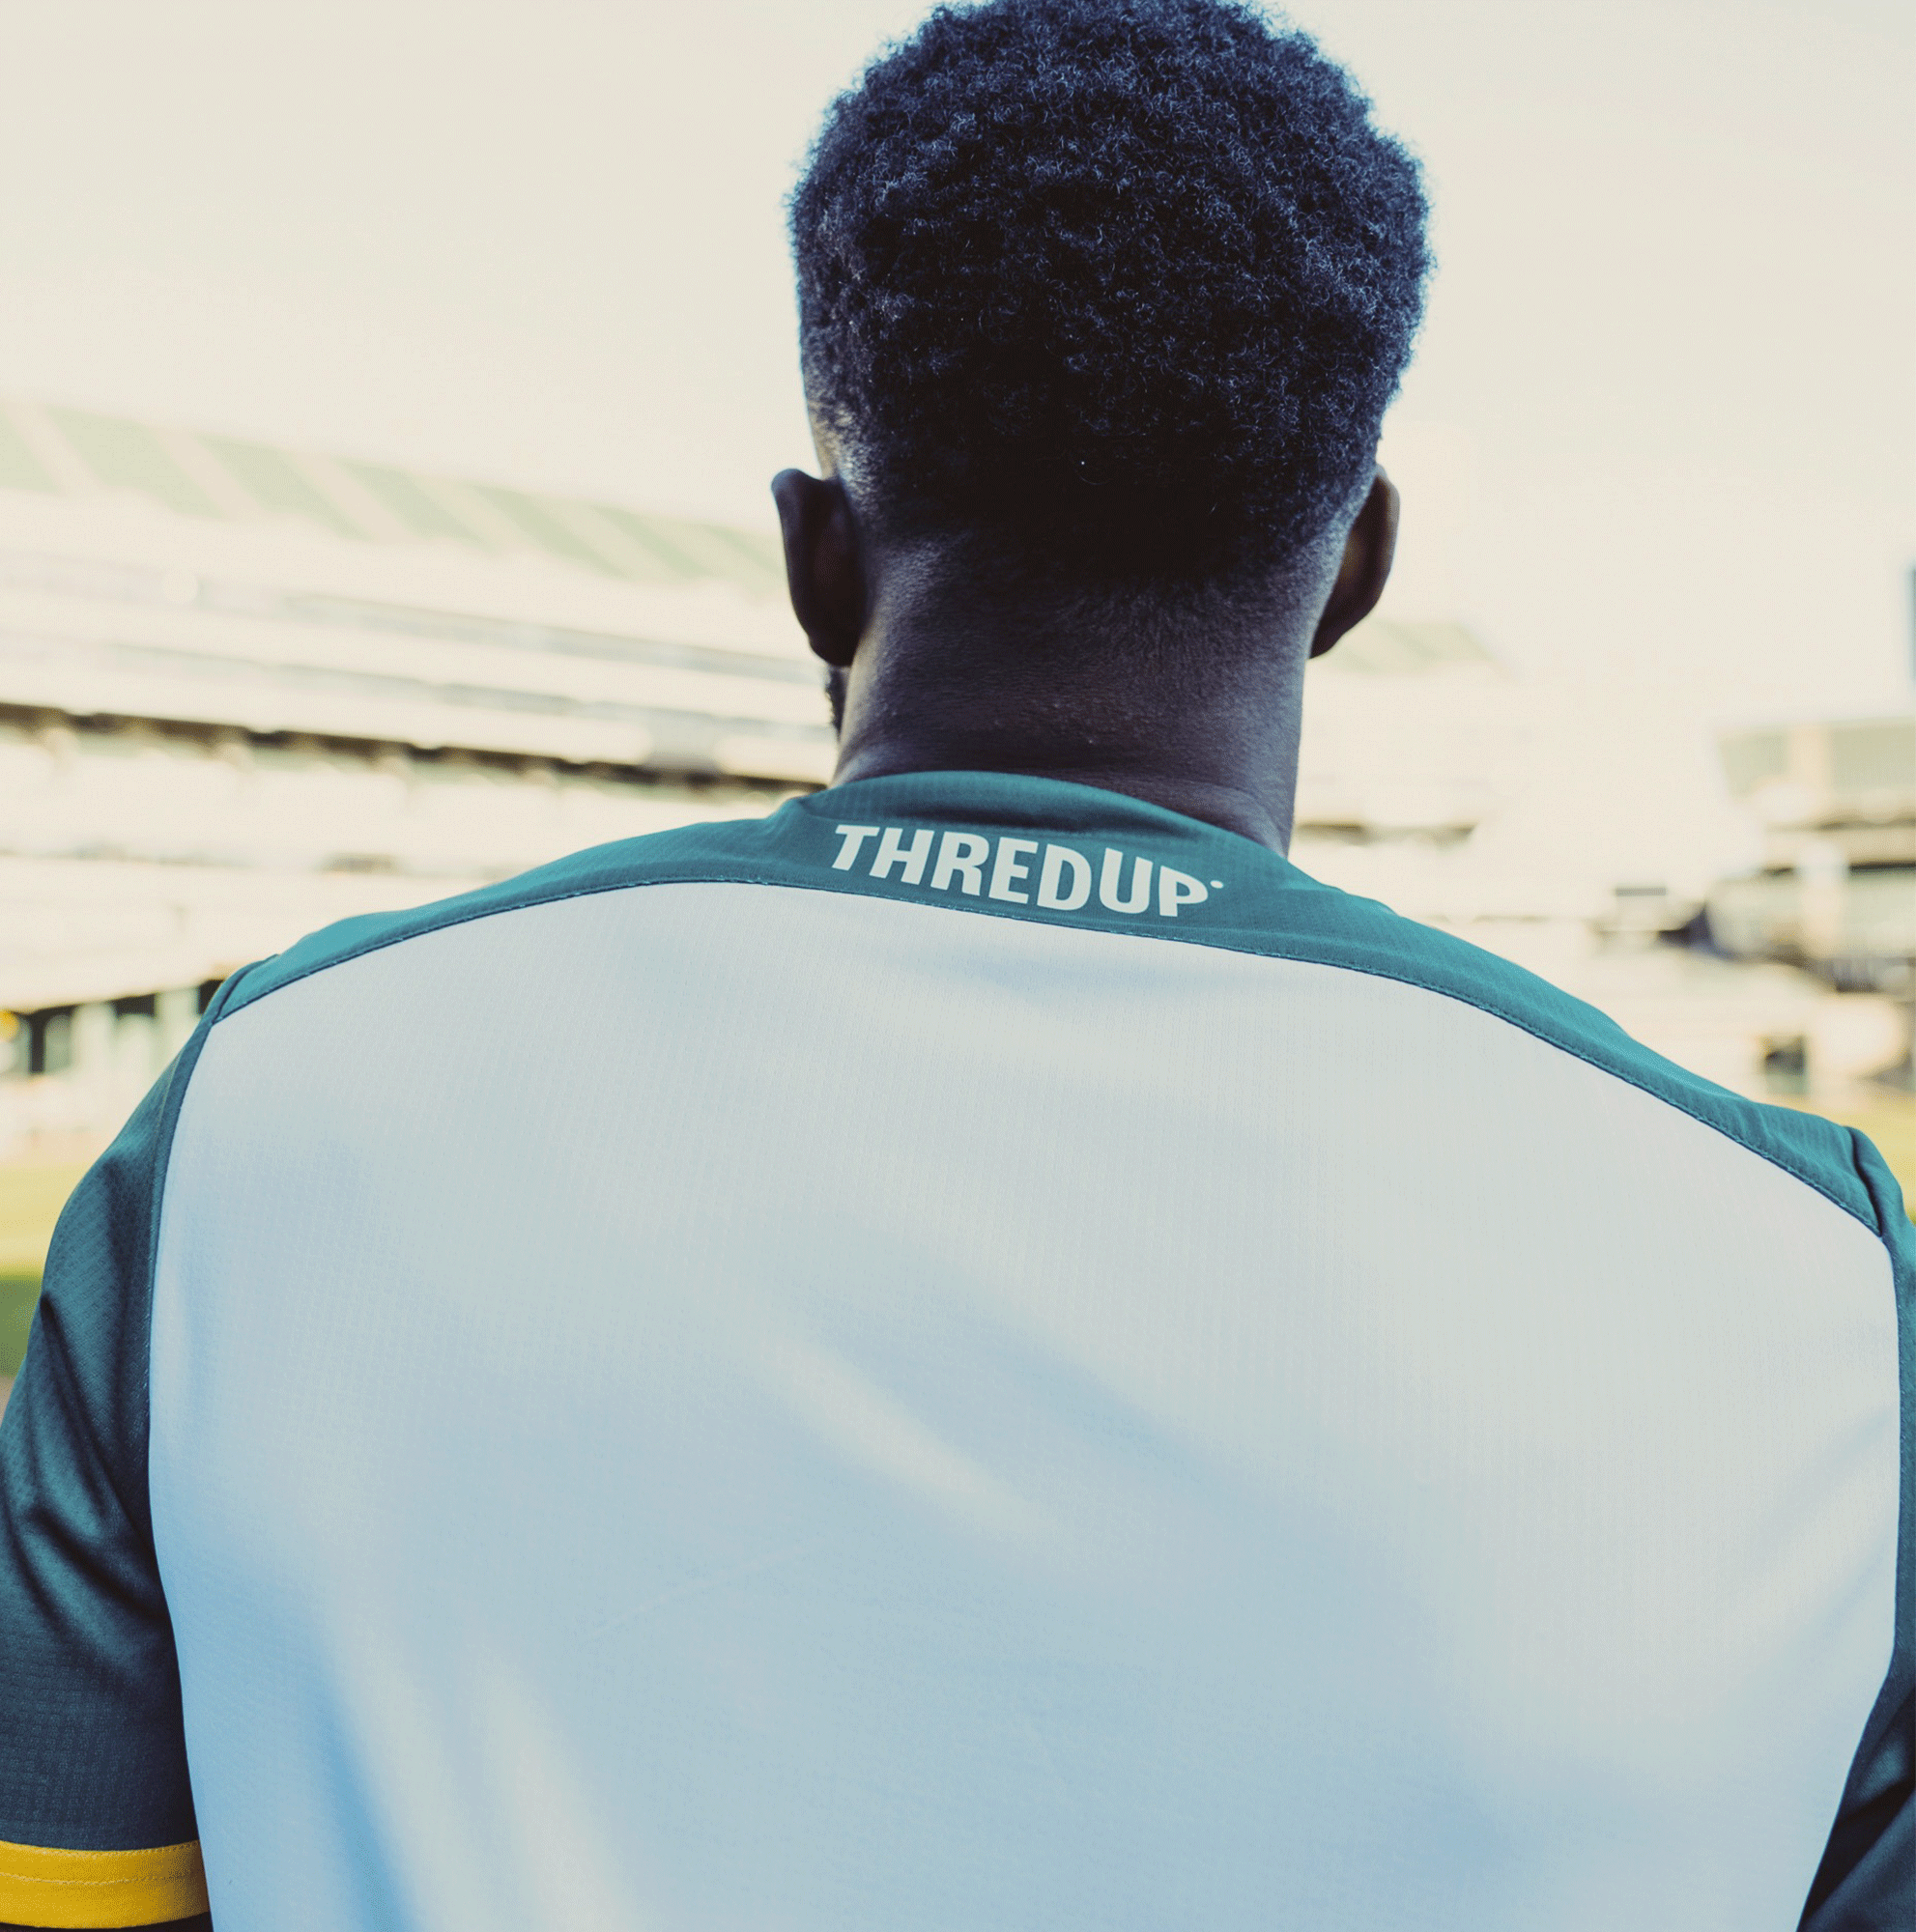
31 1199
30 1202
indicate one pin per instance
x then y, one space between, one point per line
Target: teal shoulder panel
1065 854
1866 1881
92 1754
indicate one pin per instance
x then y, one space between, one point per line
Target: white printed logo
1060 882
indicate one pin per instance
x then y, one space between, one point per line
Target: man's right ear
1364 567
824 562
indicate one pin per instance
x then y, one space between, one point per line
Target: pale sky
1662 423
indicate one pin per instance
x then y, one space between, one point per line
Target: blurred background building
1756 924
246 691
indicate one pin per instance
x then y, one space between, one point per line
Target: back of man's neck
1225 754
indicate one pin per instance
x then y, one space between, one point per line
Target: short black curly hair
1134 278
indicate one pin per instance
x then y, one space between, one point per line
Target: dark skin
942 674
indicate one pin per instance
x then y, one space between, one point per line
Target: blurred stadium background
246 690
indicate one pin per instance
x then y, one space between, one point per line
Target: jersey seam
179 1078
1853 1142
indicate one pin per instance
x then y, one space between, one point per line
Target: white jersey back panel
717 1406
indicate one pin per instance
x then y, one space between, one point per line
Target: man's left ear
1364 567
824 562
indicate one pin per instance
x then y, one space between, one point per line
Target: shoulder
1360 935
718 849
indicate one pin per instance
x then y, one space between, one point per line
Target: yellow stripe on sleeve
40 1886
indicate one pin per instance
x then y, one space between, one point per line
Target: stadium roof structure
155 574
59 451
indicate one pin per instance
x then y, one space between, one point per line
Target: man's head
1125 282
1101 302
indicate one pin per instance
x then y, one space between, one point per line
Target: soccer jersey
975 1353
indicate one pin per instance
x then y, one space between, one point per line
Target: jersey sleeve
1866 1881
96 1812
